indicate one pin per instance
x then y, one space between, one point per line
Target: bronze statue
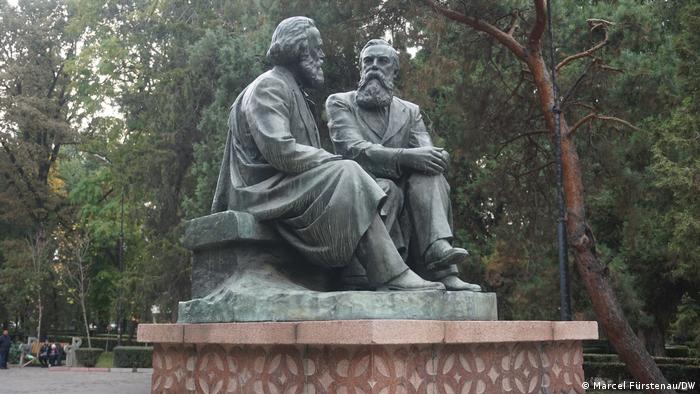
274 168
388 138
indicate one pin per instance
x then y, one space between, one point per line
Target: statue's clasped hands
428 159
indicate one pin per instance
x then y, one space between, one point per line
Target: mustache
386 82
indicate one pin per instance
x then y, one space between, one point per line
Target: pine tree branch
594 25
477 24
594 116
535 38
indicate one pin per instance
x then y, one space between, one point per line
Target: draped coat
275 168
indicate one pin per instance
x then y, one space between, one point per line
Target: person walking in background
5 343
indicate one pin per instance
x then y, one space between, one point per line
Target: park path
43 380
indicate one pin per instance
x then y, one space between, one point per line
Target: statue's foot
441 254
452 282
354 283
410 281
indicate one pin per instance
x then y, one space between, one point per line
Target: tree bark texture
594 274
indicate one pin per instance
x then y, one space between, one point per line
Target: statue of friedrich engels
325 206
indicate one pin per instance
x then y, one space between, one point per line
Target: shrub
87 357
133 356
617 372
15 353
678 351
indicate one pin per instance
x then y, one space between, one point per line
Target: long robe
274 168
418 210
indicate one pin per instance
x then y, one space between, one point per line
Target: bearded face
311 60
375 90
376 86
311 72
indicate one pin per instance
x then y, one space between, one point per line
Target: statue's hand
428 160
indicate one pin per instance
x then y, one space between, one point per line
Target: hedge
87 357
613 358
617 372
133 356
104 343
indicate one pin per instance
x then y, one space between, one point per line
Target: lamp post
564 291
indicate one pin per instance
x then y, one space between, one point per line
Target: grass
106 360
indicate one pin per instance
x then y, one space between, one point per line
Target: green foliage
106 360
88 357
15 353
133 356
169 71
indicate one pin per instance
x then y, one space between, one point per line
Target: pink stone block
273 333
497 331
365 332
161 333
368 332
574 330
357 332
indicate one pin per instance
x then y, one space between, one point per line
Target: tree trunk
41 315
653 340
85 320
594 274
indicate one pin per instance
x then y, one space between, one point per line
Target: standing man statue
387 137
274 168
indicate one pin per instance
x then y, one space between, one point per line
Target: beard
375 90
311 72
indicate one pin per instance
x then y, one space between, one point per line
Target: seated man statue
275 169
387 137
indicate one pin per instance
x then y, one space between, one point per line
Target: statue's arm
268 112
419 136
348 141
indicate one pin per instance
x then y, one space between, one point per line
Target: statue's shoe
441 254
354 283
452 282
410 281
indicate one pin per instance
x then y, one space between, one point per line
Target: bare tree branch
593 116
513 23
593 26
504 38
507 142
536 169
609 68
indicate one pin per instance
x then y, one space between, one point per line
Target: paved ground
43 380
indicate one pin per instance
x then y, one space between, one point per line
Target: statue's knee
347 167
429 182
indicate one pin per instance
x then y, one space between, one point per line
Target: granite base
371 356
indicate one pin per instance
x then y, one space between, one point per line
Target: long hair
289 40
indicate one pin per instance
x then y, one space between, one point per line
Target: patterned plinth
554 365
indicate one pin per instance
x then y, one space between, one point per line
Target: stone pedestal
369 356
243 272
